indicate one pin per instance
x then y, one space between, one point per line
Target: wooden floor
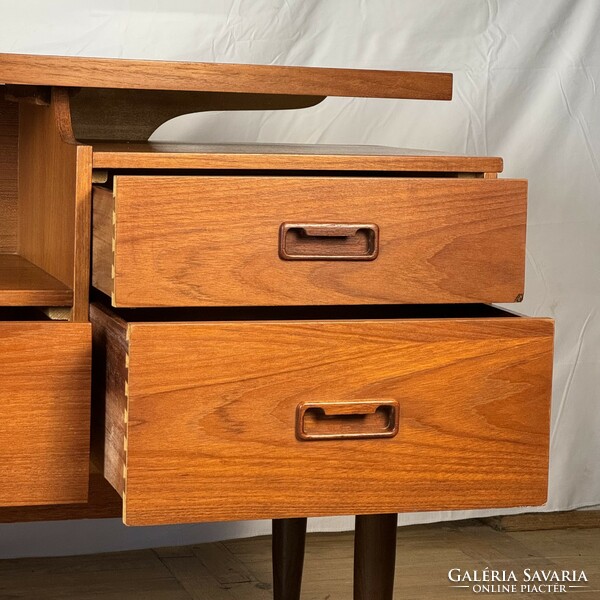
241 569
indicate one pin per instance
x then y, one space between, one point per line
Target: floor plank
583 519
223 565
241 569
197 581
137 584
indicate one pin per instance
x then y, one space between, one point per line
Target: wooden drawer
45 371
205 420
235 241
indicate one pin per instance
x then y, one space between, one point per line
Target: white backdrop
525 83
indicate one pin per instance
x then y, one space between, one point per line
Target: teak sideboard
220 332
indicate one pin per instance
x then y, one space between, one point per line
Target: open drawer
250 419
45 371
303 240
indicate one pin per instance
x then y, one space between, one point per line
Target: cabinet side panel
9 125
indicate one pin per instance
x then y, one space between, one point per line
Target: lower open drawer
45 370
249 419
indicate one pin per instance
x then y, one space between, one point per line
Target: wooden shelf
24 284
110 155
38 70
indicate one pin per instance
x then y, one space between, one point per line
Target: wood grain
323 157
24 284
103 503
206 241
211 409
55 197
44 400
27 69
103 208
9 127
109 405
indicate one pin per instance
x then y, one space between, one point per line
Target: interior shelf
24 284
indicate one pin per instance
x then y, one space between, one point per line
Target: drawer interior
303 313
197 410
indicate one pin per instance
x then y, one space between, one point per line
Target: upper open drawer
290 240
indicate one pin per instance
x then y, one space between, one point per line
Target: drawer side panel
103 233
109 396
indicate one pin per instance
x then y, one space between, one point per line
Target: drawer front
238 241
251 420
45 371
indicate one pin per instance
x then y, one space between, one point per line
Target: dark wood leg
374 556
288 557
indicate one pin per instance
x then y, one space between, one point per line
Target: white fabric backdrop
526 73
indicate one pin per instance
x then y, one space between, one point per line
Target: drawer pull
328 241
360 419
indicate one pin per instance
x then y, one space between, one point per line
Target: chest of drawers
278 331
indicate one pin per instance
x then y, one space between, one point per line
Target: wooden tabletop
69 71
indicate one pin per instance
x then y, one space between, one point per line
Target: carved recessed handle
356 419
328 241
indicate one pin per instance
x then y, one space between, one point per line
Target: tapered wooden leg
289 536
374 556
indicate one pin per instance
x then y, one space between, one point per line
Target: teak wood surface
9 156
70 71
103 502
208 412
109 413
214 241
318 157
54 197
24 284
44 403
45 188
